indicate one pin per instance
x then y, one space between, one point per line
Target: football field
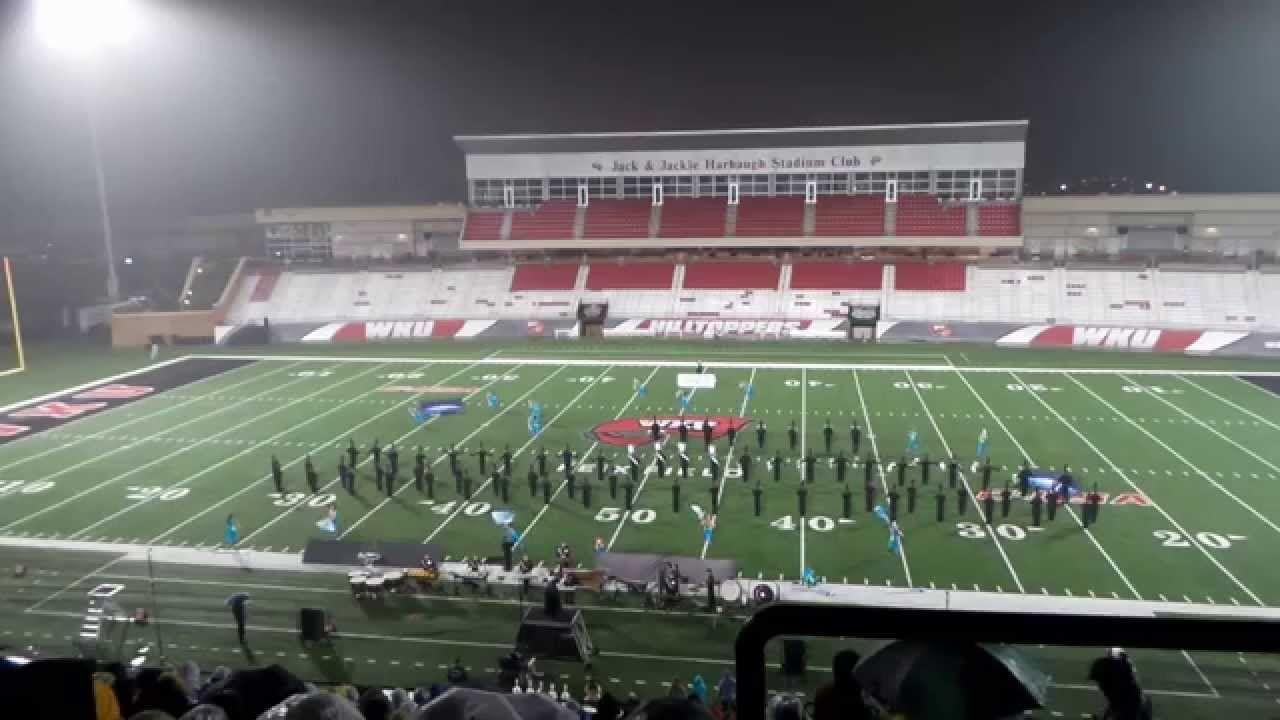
1182 452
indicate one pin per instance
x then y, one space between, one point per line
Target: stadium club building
894 232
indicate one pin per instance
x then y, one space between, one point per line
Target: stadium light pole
80 30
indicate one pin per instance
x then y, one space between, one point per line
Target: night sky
229 106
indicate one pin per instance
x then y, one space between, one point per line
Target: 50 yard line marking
884 484
986 521
522 448
1124 476
728 458
563 483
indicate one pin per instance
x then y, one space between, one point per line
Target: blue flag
882 513
981 453
913 443
426 410
492 399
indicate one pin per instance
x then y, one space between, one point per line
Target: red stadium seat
922 215
693 218
634 276
836 276
556 276
617 219
552 220
267 278
1000 220
483 226
731 276
932 277
771 217
849 216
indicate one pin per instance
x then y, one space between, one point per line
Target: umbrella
466 704
953 680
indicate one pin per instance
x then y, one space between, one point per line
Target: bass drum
763 594
731 591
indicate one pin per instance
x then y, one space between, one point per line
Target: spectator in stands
678 690
727 688
151 715
313 706
159 690
374 705
189 675
608 707
205 712
591 691
842 697
1118 682
785 707
673 708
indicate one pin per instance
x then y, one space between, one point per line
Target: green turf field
1182 448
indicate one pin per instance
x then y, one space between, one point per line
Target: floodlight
82 27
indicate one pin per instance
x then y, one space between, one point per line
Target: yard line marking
542 511
728 457
804 423
148 416
1201 673
109 481
1026 455
964 479
587 388
884 484
242 453
336 439
739 365
505 408
92 573
1179 456
1124 476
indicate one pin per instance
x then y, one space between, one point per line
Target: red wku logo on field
12 430
115 391
637 431
58 410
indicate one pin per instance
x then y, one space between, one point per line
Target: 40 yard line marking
884 484
1124 476
149 416
522 448
506 408
986 521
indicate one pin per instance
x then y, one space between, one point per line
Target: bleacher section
552 220
636 276
693 218
1000 220
555 276
483 226
929 277
771 217
731 275
944 291
836 276
617 219
856 216
925 215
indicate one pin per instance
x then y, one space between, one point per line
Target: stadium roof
841 136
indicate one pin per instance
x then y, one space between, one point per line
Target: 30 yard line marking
1023 452
1158 508
991 533
246 451
1178 455
728 458
542 510
505 409
587 388
149 416
884 484
127 473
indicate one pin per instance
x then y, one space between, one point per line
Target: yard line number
297 498
155 492
816 523
974 531
471 509
640 516
1216 541
26 487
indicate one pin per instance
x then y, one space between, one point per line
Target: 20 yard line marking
242 453
985 520
1158 508
884 484
1178 455
1023 452
522 448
